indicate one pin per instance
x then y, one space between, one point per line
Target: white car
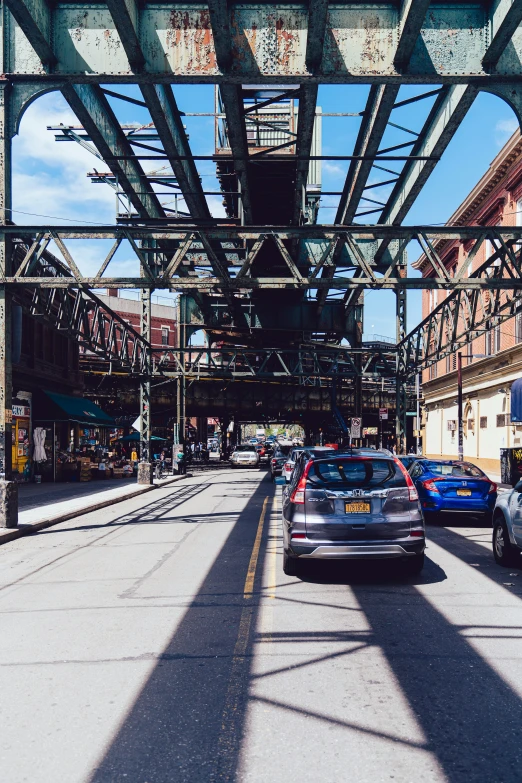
244 456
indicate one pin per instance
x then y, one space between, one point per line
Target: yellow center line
252 566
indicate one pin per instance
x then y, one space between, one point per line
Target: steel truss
260 44
468 312
192 265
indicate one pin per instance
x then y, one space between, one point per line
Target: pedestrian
181 462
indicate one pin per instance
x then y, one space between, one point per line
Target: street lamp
459 397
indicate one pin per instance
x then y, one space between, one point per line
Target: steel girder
468 312
92 109
262 43
194 250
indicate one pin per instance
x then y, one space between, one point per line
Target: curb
32 527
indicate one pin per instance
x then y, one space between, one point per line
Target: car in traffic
244 456
408 459
263 452
294 455
451 487
507 527
278 458
352 506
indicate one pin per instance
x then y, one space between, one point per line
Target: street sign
370 431
383 414
355 428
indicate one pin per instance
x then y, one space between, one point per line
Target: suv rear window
282 451
357 473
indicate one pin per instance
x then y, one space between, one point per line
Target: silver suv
507 527
352 505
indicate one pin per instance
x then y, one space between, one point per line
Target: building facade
493 360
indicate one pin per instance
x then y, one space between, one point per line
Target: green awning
63 407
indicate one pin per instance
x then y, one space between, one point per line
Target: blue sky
49 178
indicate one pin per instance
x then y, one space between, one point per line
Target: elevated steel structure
263 58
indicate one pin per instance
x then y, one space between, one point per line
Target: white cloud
333 169
504 129
49 177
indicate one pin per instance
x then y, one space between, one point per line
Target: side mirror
518 486
280 481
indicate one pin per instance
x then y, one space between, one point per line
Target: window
493 340
501 419
483 422
358 473
471 424
518 327
451 362
454 469
432 371
165 331
452 425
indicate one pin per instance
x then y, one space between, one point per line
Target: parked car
348 505
263 452
450 487
245 455
294 455
408 459
278 459
507 527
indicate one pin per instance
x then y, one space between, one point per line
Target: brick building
495 200
164 316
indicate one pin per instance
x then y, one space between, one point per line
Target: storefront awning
516 400
62 407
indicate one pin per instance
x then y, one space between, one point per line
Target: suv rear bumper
377 551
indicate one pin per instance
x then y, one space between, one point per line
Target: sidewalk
44 505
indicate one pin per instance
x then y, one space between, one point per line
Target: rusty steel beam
125 15
317 21
448 112
376 115
35 20
166 117
305 131
505 19
232 98
412 16
94 112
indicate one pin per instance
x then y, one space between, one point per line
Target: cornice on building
504 176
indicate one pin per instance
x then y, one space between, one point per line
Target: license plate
465 493
357 508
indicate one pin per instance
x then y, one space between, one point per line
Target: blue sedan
453 487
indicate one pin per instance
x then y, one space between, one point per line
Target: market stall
71 437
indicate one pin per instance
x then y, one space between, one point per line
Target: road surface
158 641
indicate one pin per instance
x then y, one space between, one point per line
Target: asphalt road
158 641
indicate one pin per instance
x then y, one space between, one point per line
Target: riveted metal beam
92 109
305 131
505 18
376 115
412 16
317 21
125 16
34 18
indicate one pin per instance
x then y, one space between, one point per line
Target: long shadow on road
175 731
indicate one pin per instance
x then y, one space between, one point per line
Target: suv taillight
412 492
298 495
493 488
288 466
274 462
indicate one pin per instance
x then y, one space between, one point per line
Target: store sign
355 428
370 431
22 411
383 414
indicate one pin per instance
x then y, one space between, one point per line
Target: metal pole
8 488
144 465
459 406
417 412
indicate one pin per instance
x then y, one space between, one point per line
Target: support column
145 465
8 488
182 344
400 377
